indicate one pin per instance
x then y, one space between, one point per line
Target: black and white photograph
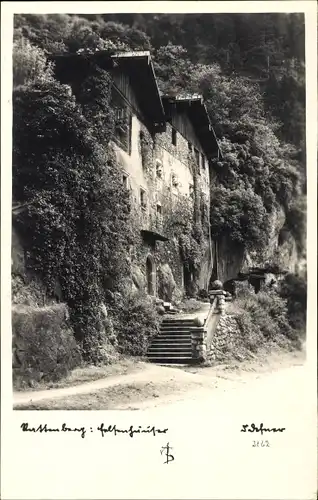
159 229
158 204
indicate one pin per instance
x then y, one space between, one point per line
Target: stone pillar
221 303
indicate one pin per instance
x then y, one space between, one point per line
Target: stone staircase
174 342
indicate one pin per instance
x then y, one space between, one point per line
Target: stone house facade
164 145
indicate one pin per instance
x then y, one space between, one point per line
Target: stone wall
219 339
43 344
26 287
225 340
198 345
163 171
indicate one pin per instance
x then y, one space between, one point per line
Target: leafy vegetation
293 289
136 322
71 185
253 87
78 222
43 344
180 223
263 319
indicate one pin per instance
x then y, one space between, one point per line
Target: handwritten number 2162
262 444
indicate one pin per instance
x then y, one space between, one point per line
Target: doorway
151 276
187 278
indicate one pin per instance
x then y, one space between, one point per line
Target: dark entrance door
187 278
151 279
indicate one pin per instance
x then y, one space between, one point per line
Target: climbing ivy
77 224
146 145
183 222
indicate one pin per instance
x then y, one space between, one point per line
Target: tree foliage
29 63
77 218
239 214
78 221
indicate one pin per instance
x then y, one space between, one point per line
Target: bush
31 293
29 63
240 215
296 221
166 283
264 318
294 290
136 322
252 336
190 305
44 346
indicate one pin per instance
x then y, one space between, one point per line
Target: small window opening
125 181
174 137
143 201
203 161
159 209
159 168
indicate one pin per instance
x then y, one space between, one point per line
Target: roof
153 235
143 79
194 106
137 65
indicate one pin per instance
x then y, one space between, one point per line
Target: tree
29 63
76 225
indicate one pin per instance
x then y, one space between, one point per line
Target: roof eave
197 100
146 57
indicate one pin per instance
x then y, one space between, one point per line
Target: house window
174 136
174 180
159 169
123 121
203 161
159 209
125 181
143 201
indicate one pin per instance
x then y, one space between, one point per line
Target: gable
183 124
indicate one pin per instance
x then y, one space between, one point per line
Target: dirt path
164 380
149 372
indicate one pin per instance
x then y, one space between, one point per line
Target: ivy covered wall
170 195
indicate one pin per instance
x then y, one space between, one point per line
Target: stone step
175 329
177 348
168 331
169 355
175 325
174 342
174 338
171 359
171 341
175 321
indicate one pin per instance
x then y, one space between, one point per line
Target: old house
164 145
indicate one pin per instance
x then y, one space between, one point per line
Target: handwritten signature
261 428
111 429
